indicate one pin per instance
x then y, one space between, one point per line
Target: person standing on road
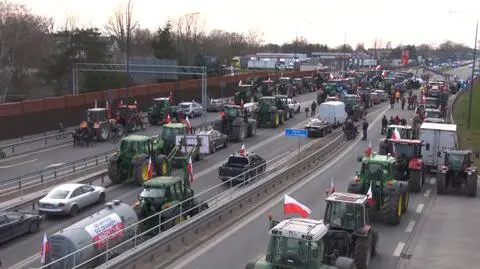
397 96
365 129
403 102
384 125
392 101
313 107
306 111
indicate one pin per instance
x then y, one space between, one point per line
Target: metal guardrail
19 186
219 200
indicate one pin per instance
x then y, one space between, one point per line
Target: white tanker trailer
88 237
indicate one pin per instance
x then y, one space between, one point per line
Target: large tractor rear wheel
441 184
362 252
103 132
275 119
392 208
161 166
252 130
415 181
114 172
406 200
141 172
240 132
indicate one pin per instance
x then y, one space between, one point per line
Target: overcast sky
401 22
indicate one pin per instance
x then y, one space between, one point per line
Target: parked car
68 199
293 104
14 224
217 139
215 105
191 109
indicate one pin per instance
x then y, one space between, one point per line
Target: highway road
39 160
248 239
269 143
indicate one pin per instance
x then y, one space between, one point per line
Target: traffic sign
296 132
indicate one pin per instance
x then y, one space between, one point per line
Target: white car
293 104
68 199
191 109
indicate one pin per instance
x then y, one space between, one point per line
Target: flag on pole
378 67
241 103
190 170
242 150
370 200
368 152
292 206
150 169
168 119
45 249
332 186
96 103
395 135
240 83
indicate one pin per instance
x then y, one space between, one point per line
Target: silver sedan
68 199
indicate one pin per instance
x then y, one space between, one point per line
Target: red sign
405 56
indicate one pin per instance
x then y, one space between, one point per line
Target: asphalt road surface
248 239
39 160
269 143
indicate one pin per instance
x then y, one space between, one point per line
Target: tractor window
267 102
169 134
291 252
231 112
153 193
178 191
159 103
455 161
406 150
371 168
341 215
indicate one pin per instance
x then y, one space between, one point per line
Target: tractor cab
170 132
299 243
297 82
285 81
127 110
161 102
457 159
267 102
134 145
406 132
97 115
281 101
457 173
231 112
350 100
431 102
331 88
307 81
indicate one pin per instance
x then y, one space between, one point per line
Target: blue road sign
296 132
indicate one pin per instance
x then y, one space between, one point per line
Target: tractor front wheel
275 120
114 172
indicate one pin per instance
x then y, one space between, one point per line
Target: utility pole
473 74
128 17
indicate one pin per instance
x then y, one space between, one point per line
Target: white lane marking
419 209
433 181
427 192
398 250
17 164
261 211
410 226
54 165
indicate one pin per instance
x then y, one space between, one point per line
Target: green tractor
245 93
389 196
267 88
267 113
298 86
353 107
235 124
457 173
160 110
285 86
308 84
302 244
169 139
134 157
171 195
331 88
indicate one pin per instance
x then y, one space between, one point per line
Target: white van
436 138
332 112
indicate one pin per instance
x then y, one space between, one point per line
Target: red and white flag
45 249
168 119
368 152
242 150
332 186
150 168
378 67
370 200
190 170
395 135
241 103
292 206
189 125
170 97
240 83
330 76
424 99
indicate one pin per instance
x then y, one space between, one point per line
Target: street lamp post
473 74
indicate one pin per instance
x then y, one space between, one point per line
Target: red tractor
409 164
129 116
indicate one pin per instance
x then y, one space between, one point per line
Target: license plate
47 206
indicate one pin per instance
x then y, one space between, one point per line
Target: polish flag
242 150
45 249
190 170
370 200
189 125
332 187
150 168
240 83
241 103
368 152
170 97
168 119
384 74
395 135
330 76
292 206
378 67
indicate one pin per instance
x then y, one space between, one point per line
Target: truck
332 112
436 137
242 167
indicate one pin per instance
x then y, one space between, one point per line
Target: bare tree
255 38
23 45
189 36
121 26
141 44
